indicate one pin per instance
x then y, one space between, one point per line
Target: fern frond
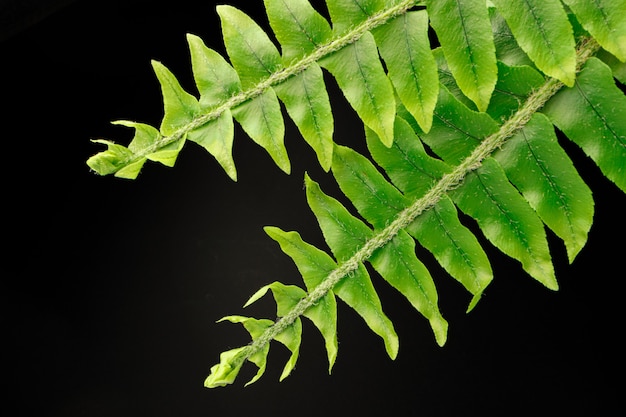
248 89
467 126
258 77
419 205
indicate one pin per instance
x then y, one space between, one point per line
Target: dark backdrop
111 288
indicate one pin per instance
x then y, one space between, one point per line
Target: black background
111 288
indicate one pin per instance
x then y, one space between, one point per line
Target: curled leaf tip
225 372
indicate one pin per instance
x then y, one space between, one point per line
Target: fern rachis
447 183
465 142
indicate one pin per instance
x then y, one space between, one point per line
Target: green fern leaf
255 58
508 50
407 163
542 30
262 119
300 30
515 84
113 161
216 80
439 229
250 50
604 20
345 234
145 137
378 201
375 199
255 328
397 264
308 106
502 213
507 220
347 50
404 45
167 155
457 127
592 109
291 338
314 265
542 171
109 161
217 138
226 371
287 297
464 31
618 68
346 14
361 77
260 72
180 106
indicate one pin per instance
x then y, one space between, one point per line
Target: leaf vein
457 248
553 185
600 116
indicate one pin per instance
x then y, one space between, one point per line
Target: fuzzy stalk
587 48
332 46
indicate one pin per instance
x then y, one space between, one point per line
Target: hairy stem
278 77
448 182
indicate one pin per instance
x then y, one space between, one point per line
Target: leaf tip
286 167
156 65
225 372
257 295
192 38
440 327
552 285
475 299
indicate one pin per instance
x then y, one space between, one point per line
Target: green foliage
465 126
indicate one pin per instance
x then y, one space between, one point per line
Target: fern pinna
465 125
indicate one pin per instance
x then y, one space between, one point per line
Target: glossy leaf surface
544 174
345 14
308 104
542 30
314 266
251 52
439 229
464 31
345 234
507 220
262 120
216 80
377 201
298 27
361 77
456 129
180 106
405 47
604 20
592 114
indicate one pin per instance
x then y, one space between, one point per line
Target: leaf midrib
553 185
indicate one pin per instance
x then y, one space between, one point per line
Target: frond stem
334 45
587 48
